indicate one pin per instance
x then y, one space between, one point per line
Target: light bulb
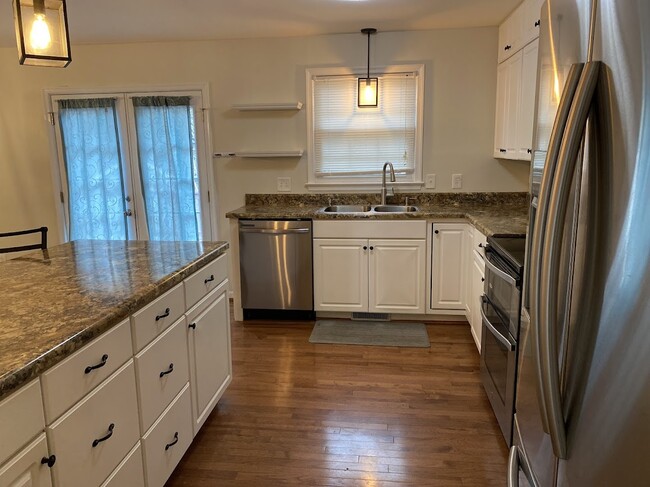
40 38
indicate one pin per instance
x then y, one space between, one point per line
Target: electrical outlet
284 184
456 181
430 181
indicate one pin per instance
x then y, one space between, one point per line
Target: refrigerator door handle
536 261
515 465
551 255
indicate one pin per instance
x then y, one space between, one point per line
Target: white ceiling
113 21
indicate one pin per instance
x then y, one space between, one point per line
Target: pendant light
368 88
42 32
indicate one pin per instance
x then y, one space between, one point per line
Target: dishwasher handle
274 232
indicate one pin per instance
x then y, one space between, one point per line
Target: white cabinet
28 468
340 274
531 19
478 283
447 264
396 276
517 83
511 35
370 266
209 352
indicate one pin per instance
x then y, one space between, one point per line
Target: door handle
513 467
498 335
536 258
128 212
558 203
274 232
503 275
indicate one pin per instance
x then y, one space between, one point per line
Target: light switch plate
284 184
430 181
456 181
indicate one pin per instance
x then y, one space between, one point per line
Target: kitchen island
123 344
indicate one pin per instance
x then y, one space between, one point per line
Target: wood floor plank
302 414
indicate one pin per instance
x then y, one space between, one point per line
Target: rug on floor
380 333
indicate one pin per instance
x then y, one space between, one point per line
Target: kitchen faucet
383 181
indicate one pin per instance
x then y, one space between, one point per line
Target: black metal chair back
22 248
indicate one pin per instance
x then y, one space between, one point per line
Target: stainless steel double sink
370 209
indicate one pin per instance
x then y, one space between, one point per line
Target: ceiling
115 21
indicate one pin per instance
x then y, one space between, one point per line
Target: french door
133 166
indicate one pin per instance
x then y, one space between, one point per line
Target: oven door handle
498 335
503 275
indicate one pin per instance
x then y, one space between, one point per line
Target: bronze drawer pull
209 279
169 445
111 427
168 371
164 315
90 368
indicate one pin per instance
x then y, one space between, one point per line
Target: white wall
458 120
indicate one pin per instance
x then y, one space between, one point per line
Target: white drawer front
167 353
72 437
69 381
205 280
370 229
21 419
130 471
25 468
157 316
168 439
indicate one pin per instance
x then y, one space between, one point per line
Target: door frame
204 144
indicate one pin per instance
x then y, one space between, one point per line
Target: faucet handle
329 201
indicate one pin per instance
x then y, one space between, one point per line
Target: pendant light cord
368 64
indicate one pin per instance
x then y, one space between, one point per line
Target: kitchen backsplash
425 199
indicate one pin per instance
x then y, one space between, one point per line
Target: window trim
315 183
207 188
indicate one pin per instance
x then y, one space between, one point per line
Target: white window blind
352 141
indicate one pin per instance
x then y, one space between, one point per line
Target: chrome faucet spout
383 180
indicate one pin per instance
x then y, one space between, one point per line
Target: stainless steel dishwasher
275 258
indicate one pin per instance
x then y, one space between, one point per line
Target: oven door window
503 294
495 354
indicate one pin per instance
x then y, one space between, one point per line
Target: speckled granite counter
502 214
54 302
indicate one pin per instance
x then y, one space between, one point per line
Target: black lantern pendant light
42 32
368 88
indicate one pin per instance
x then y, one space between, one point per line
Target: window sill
356 187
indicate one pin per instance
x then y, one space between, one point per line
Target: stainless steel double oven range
500 311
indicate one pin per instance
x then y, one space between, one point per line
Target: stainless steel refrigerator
582 414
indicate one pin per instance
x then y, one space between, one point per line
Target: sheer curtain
166 139
94 169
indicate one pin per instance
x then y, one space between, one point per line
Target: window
349 145
132 166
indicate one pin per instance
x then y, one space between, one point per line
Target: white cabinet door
531 20
210 354
510 35
478 279
468 251
447 280
25 468
501 112
340 274
513 97
396 276
526 114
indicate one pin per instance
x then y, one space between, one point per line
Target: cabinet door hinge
208 196
61 197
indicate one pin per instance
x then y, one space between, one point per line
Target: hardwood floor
343 415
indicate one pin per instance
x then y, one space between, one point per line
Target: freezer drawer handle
90 368
169 445
504 340
164 315
111 427
168 371
513 467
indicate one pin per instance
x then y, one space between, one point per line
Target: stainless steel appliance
583 392
500 305
276 268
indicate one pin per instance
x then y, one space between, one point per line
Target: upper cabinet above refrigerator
516 82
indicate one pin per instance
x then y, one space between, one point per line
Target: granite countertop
55 301
494 214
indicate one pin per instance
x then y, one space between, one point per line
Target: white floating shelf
261 107
261 155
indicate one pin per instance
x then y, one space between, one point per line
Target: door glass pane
167 153
94 169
